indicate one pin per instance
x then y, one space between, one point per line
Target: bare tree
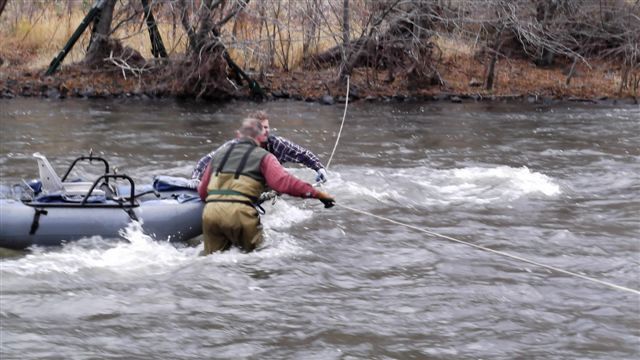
100 48
399 37
203 72
396 36
311 27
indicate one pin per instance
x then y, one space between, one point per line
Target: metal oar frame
126 202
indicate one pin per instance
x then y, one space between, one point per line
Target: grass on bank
31 43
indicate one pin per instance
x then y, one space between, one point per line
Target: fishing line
479 247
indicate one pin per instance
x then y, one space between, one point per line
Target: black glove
326 199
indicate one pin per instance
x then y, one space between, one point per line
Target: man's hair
251 127
260 115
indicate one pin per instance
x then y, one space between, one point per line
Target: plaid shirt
283 149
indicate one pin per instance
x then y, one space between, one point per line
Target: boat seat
51 181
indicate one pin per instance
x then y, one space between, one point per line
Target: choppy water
559 185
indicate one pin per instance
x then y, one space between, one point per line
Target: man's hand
321 175
328 200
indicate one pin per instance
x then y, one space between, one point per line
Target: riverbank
291 58
460 81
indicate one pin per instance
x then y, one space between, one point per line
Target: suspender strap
231 192
225 158
243 162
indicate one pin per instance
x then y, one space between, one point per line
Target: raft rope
501 253
344 116
479 247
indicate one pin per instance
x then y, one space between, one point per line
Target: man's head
264 119
252 128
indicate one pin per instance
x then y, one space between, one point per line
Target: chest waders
229 218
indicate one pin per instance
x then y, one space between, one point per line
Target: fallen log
91 15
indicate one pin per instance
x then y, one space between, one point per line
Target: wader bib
229 218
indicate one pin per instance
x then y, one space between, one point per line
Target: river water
559 185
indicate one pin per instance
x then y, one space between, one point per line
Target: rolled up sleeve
281 181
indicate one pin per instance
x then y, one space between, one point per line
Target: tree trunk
99 47
2 5
284 59
624 78
308 29
489 79
205 25
157 46
491 69
345 68
274 50
270 56
184 20
545 12
571 72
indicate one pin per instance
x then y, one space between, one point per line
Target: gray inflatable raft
57 211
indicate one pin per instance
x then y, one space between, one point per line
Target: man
283 149
234 179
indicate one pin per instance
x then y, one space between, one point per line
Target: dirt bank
461 80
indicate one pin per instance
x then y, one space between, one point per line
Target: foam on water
572 152
284 213
373 185
427 186
276 245
141 255
515 181
371 192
